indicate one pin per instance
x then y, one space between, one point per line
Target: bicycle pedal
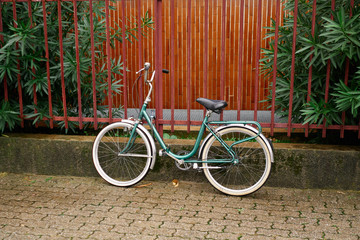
162 153
196 167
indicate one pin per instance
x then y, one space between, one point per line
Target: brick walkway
45 207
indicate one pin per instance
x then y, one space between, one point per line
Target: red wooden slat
62 64
124 57
156 36
222 57
6 95
347 68
77 64
257 64
328 68
292 68
352 2
93 74
313 22
108 54
241 47
47 64
206 49
275 67
18 75
140 49
172 62
188 84
327 82
33 69
241 57
160 65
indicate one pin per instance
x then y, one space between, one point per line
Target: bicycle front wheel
247 175
119 160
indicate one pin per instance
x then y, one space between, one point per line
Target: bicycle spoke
113 164
245 175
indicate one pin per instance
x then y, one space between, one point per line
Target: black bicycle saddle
213 105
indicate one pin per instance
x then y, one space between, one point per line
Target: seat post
208 112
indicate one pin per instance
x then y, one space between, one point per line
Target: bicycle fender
267 141
149 137
252 129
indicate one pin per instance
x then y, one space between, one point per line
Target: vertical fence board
188 84
33 68
159 61
124 57
277 23
313 23
257 57
206 49
6 96
108 63
172 62
140 48
77 64
18 75
222 56
328 71
47 64
93 74
292 67
240 66
62 64
346 78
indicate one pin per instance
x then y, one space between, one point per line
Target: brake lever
140 70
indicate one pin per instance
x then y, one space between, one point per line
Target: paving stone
273 232
146 224
190 234
216 235
194 220
175 225
106 235
60 207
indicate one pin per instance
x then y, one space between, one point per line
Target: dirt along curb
296 165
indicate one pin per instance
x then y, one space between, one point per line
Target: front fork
130 143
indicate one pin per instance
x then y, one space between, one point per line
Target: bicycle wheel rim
249 174
121 170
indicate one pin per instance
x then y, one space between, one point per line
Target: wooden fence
220 43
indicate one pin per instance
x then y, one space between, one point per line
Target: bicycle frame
205 125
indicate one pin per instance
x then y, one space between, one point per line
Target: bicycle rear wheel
246 176
119 162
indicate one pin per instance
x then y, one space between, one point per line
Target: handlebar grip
147 66
165 71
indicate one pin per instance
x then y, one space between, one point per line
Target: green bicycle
235 157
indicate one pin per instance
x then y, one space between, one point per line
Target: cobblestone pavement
54 207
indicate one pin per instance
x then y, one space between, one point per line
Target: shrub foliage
23 53
336 42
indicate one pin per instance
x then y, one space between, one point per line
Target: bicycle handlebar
146 69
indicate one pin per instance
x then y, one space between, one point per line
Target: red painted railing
166 53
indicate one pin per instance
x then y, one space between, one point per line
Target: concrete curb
296 165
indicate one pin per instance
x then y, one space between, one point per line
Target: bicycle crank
183 166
